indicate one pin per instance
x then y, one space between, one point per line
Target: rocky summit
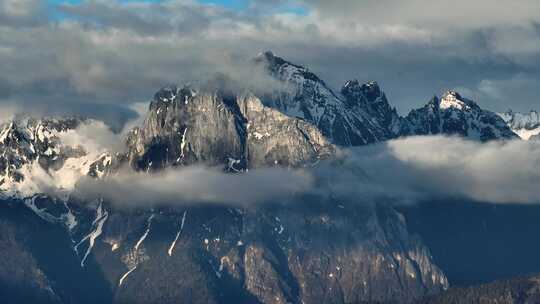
454 115
320 249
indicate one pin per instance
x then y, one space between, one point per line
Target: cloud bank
402 171
99 57
451 168
196 184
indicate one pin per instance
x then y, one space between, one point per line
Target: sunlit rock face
186 126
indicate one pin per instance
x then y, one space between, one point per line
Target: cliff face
184 126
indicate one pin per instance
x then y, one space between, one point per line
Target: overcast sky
98 57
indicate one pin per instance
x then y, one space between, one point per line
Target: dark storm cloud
114 53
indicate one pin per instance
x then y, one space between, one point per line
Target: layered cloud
404 171
426 168
193 185
99 57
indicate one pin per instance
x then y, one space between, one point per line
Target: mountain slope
527 126
39 152
346 119
306 253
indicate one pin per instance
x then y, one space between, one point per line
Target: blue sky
231 4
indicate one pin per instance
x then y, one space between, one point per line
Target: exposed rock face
23 142
455 115
527 126
184 126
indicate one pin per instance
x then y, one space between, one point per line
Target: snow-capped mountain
340 251
360 115
37 153
527 126
317 250
454 115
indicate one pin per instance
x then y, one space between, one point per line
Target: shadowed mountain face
315 250
309 252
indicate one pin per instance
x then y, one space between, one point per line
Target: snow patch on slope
171 248
97 225
143 237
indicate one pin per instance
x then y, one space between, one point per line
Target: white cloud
192 185
443 167
94 136
401 171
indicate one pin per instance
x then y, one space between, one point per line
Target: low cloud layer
426 168
192 185
402 171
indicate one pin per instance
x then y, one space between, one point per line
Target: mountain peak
268 57
369 90
454 115
452 99
265 54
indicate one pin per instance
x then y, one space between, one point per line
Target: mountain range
59 248
527 125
